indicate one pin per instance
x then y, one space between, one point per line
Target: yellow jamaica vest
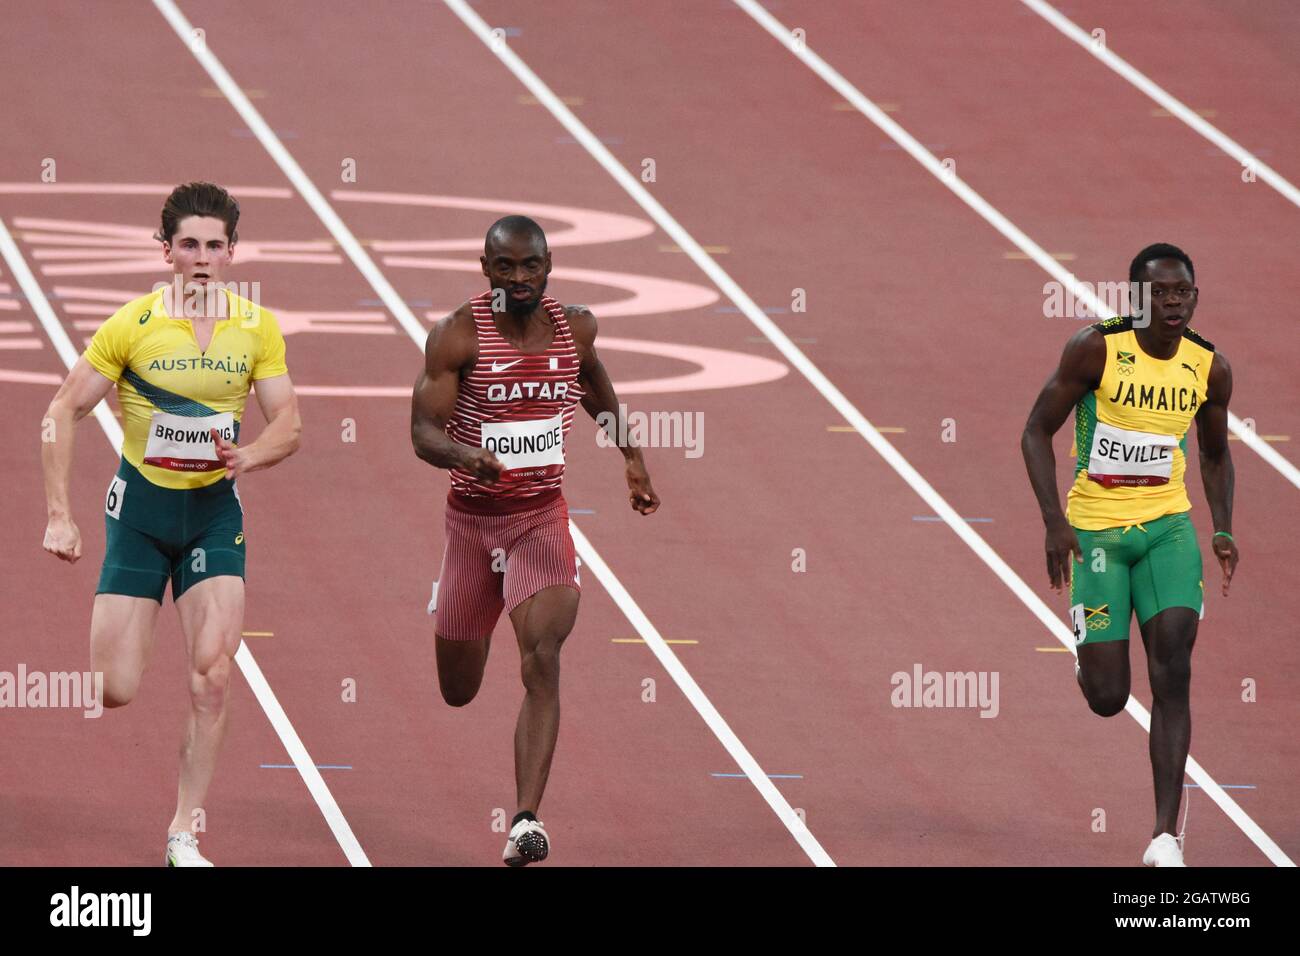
1131 432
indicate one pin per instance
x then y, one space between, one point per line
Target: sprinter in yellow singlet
183 359
1136 384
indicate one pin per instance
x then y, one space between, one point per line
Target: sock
522 815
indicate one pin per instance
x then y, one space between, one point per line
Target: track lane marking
1172 106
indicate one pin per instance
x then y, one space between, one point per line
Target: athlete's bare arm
599 398
450 352
80 392
1216 462
278 440
1080 371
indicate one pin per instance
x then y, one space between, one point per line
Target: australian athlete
1136 384
183 359
502 377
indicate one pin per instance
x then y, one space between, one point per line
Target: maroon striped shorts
497 561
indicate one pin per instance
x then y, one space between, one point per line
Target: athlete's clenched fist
63 539
481 463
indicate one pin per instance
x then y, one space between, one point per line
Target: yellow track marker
1264 437
259 634
1058 256
637 640
1053 650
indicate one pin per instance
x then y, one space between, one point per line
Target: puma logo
1194 371
501 367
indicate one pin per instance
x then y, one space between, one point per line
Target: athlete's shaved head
512 229
516 261
1168 281
1155 252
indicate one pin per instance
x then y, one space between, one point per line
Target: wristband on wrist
1224 534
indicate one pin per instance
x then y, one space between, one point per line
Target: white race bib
182 443
530 444
1123 458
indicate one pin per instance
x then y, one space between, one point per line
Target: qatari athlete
502 377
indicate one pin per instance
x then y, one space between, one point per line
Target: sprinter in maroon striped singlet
502 377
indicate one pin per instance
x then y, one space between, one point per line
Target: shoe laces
184 839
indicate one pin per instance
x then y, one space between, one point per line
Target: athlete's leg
1168 595
460 668
1099 614
132 583
541 622
1104 676
121 639
468 603
1169 637
212 616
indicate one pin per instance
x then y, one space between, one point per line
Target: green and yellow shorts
1143 568
156 534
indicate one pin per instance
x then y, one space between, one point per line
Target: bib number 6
113 502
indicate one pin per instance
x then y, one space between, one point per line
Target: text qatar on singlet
520 407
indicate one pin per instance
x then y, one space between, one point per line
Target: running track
915 311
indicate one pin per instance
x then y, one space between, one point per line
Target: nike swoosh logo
498 367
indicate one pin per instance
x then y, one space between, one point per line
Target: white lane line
347 241
949 178
1176 107
244 657
919 484
700 701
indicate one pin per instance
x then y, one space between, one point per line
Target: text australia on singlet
184 442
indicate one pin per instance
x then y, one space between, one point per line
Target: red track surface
914 312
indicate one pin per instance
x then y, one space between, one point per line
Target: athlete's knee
1171 677
208 687
119 693
120 684
458 696
1106 701
541 667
